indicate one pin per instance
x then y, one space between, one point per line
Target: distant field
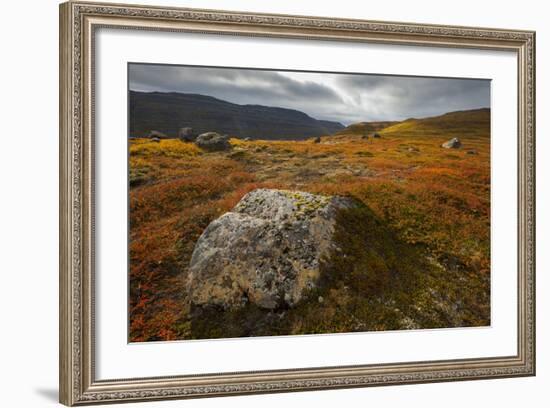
430 203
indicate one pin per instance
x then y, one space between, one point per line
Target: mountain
464 123
167 112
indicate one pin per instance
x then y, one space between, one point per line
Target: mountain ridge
166 112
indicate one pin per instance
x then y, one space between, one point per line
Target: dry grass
430 200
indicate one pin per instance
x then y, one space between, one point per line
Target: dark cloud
346 98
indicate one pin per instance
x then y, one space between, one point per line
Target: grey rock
376 136
156 134
186 134
454 143
317 139
212 141
155 139
267 250
408 323
247 139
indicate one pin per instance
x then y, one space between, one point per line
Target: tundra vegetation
415 253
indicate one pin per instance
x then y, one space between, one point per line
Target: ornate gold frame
78 22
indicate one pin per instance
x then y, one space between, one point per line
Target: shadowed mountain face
167 112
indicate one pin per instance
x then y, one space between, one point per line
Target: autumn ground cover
426 216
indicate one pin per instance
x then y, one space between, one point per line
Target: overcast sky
347 98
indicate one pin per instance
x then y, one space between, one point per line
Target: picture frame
79 23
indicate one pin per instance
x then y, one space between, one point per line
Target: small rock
186 134
155 139
376 136
317 139
247 139
471 151
156 134
454 143
320 299
366 137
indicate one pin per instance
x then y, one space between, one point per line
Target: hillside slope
468 123
364 128
167 112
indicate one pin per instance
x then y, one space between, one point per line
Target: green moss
306 204
371 260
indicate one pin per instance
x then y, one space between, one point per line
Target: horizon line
313 117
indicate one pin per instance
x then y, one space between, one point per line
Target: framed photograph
256 203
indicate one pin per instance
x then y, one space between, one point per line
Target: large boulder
454 143
266 251
186 134
212 141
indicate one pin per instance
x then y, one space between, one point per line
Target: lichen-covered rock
212 141
454 143
266 251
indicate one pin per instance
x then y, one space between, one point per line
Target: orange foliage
428 195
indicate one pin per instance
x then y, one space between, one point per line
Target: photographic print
272 202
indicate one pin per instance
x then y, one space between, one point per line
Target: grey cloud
235 85
346 98
392 97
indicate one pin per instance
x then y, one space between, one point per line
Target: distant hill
364 128
464 123
167 112
333 127
476 122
